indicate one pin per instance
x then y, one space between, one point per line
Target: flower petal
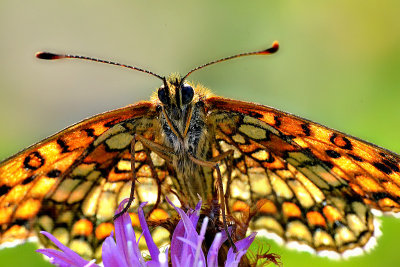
67 256
153 249
125 237
233 259
111 254
199 251
182 253
212 256
194 215
56 257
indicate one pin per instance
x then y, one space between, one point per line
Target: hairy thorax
195 142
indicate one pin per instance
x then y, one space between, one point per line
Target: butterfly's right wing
310 184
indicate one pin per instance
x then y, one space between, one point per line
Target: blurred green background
338 65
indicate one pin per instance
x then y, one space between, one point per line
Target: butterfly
299 180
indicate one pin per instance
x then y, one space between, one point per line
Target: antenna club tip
275 45
272 49
48 55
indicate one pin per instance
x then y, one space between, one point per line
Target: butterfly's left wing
310 184
70 183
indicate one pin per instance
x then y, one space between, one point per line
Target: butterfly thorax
184 131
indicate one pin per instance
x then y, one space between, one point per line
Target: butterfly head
175 96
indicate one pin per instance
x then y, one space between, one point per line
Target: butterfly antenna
271 50
52 56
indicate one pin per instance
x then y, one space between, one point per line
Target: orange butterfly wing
31 175
371 171
309 183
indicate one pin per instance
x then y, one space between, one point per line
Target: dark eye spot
187 94
163 95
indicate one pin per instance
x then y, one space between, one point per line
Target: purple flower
186 242
123 251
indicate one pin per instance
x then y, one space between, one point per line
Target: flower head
122 249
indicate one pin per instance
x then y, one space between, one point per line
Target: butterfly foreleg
154 174
160 150
228 157
214 164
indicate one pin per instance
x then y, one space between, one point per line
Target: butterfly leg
215 165
154 174
228 157
156 148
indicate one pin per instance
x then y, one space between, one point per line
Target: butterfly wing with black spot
308 183
70 184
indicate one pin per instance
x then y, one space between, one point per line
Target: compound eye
163 96
187 94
